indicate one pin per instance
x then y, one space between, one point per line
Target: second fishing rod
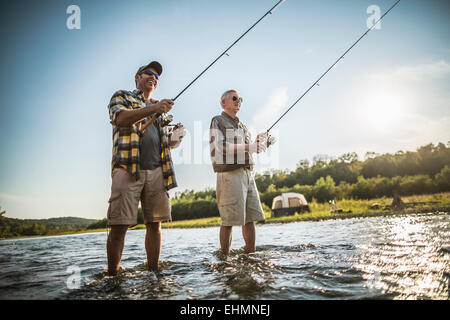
270 141
168 118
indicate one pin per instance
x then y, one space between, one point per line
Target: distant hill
10 227
66 220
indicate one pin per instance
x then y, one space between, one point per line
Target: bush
194 209
324 189
363 189
100 224
442 180
419 184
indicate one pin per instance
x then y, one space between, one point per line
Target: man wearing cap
237 195
141 168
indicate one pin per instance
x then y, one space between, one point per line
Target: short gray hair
225 95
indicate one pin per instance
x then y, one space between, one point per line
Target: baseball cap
154 64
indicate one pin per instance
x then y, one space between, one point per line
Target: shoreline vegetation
420 178
321 211
434 203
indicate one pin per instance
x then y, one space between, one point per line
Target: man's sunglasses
236 98
151 73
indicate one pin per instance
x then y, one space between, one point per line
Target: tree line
10 227
428 160
424 171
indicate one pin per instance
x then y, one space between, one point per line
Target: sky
390 93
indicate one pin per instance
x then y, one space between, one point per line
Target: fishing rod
271 139
144 126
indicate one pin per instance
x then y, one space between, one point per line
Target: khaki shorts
126 193
238 198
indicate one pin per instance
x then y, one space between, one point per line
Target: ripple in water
373 258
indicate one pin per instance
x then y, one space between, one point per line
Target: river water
396 257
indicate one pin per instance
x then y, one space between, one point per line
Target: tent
288 203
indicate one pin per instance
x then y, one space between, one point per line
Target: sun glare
382 110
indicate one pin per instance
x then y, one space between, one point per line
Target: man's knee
153 227
118 231
226 229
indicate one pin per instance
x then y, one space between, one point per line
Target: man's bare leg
114 248
225 239
153 244
249 234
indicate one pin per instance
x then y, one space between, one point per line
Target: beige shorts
126 193
238 198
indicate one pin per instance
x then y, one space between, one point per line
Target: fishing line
144 126
225 52
340 58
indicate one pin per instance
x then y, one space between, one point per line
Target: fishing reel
166 120
270 141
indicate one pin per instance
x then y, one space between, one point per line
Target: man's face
147 82
232 102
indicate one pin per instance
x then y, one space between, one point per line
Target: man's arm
257 147
218 141
126 118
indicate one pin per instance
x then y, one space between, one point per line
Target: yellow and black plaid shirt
126 140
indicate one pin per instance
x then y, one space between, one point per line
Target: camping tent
288 203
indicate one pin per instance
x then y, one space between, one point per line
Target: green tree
418 184
362 189
344 190
442 180
324 189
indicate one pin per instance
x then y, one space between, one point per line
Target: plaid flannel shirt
126 140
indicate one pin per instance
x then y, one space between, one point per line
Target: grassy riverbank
358 208
321 211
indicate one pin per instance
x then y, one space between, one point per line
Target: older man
142 168
237 195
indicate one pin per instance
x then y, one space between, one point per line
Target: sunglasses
236 98
151 74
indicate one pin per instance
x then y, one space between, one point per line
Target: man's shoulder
222 117
122 93
218 117
216 121
127 98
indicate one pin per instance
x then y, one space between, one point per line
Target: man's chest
135 102
235 132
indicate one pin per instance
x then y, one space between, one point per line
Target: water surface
402 257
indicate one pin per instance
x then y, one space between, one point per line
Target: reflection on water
410 261
405 257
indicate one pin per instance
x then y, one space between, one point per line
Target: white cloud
401 108
415 73
276 103
422 88
422 130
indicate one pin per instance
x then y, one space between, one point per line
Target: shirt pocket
234 136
